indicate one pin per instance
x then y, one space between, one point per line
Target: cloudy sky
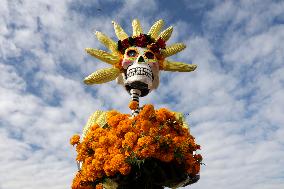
235 99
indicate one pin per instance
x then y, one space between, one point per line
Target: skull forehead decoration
137 60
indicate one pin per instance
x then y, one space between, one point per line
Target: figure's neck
135 94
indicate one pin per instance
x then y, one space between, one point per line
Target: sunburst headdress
153 40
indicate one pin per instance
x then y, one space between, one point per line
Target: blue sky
235 98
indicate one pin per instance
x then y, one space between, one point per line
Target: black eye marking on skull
150 55
131 53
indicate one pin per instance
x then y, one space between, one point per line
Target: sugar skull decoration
138 59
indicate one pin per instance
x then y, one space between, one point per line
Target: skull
141 70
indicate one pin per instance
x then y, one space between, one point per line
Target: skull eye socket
149 55
131 53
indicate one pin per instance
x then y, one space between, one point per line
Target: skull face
141 70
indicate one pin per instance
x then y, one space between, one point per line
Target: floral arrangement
150 150
143 40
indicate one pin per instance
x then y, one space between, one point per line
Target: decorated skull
137 59
141 70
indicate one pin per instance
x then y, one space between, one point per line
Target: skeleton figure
137 60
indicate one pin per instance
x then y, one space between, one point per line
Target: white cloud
234 98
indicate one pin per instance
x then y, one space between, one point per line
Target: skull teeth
140 71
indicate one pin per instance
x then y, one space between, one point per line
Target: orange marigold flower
145 125
75 140
161 117
147 151
165 130
125 169
163 114
96 134
101 154
99 186
94 127
147 112
133 105
112 113
113 150
76 181
112 138
125 125
108 169
130 136
189 159
97 164
117 161
115 120
130 139
178 140
193 168
154 131
144 141
196 168
103 140
167 157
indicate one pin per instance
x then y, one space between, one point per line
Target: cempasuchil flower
126 142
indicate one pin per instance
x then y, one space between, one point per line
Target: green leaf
105 126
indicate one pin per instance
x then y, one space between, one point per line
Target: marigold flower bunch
124 141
